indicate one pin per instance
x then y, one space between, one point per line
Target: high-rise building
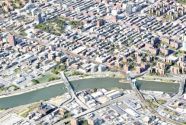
100 22
184 43
39 18
11 40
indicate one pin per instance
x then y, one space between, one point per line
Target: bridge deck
71 91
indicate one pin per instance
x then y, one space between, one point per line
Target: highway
182 87
71 91
147 105
90 110
138 93
173 99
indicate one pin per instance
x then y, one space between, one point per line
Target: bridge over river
71 91
77 85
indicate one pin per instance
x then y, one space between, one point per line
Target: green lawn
57 26
47 78
152 103
29 109
10 88
161 102
23 33
17 70
179 53
182 1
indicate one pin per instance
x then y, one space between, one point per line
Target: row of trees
58 69
52 78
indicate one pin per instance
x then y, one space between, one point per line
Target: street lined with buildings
48 42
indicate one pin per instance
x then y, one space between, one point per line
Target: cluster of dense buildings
10 5
106 107
168 10
120 35
117 35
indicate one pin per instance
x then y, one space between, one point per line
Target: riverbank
23 110
40 86
52 83
159 79
95 75
47 93
163 80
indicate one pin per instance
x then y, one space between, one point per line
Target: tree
55 71
23 33
35 81
74 23
53 78
58 68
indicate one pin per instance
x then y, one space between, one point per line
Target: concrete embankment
44 85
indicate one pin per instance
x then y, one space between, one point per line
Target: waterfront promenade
46 84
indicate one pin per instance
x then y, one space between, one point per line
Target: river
59 89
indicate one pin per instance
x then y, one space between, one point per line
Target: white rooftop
11 119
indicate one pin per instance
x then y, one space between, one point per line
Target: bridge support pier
182 87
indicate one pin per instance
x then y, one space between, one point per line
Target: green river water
108 83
